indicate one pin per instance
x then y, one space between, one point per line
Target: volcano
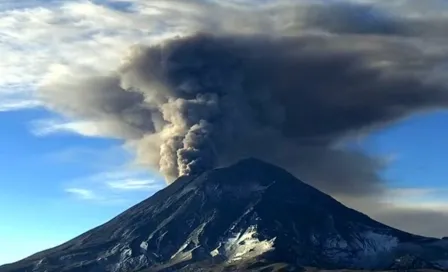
250 216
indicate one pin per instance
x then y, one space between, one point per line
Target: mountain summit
248 216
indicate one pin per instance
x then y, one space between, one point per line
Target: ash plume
290 96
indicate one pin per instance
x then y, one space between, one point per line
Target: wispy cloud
98 197
82 193
55 126
108 178
128 185
127 180
13 105
131 184
80 35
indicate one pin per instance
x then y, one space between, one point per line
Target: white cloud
54 126
38 39
133 184
116 187
89 128
82 193
128 179
12 105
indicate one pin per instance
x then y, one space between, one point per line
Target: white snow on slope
193 239
244 245
144 245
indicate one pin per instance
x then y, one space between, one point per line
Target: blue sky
419 150
54 188
59 178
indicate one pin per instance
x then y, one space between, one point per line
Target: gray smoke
291 97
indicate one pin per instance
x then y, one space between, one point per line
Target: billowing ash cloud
289 97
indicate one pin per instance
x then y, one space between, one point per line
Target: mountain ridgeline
250 216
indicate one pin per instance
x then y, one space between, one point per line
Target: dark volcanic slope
240 214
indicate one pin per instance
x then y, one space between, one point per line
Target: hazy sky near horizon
59 177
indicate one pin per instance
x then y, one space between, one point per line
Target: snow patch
130 264
144 245
39 264
245 245
114 250
192 241
233 226
184 255
215 252
127 252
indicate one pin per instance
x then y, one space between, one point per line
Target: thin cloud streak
82 193
54 126
131 184
17 105
115 187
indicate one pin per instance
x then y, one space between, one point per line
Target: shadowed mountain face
251 214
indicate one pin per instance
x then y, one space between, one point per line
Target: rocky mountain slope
248 216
